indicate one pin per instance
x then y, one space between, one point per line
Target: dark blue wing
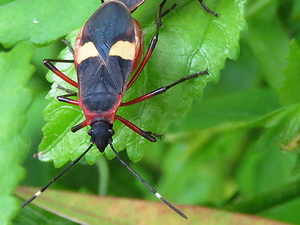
102 77
132 4
109 24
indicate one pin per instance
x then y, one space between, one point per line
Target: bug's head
101 134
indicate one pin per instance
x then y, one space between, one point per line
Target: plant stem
103 175
268 199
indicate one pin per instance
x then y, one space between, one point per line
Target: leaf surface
42 21
15 71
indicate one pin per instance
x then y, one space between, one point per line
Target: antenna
148 185
55 178
124 164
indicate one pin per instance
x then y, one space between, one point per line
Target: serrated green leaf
42 21
290 92
191 40
15 71
57 133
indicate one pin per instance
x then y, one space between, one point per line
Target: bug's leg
146 134
57 177
162 89
59 60
79 126
169 10
67 90
207 9
48 63
151 46
161 198
64 98
65 41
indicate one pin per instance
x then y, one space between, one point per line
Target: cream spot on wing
86 51
124 49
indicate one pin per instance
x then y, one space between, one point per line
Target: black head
101 134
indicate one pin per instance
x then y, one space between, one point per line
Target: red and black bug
108 49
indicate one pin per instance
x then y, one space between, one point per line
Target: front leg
146 134
162 89
208 9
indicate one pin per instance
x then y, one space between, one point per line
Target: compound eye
90 132
111 131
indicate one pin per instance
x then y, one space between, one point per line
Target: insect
107 50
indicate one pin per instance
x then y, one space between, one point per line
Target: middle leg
162 89
146 134
65 98
48 63
151 45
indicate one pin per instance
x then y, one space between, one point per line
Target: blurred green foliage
236 149
13 109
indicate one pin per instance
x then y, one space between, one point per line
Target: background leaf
37 20
290 91
265 38
15 71
102 210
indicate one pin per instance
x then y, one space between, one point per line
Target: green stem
268 199
103 175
